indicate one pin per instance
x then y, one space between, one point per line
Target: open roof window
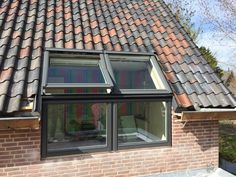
87 72
73 73
137 74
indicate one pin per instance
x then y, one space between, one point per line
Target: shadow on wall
205 133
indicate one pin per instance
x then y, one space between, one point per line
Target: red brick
13 148
4 135
12 169
3 174
21 139
9 144
18 152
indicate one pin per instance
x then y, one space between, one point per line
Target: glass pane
133 74
74 71
141 122
76 125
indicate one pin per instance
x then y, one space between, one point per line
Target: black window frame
54 100
108 84
112 132
112 99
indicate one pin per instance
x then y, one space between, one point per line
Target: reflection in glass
133 74
141 122
74 71
76 125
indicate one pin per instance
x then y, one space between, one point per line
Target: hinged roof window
95 73
76 73
62 70
137 74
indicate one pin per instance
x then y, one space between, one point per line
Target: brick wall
193 146
20 147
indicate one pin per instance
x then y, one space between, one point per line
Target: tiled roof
27 27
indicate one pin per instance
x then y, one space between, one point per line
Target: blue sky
223 48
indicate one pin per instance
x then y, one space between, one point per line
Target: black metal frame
96 51
112 129
106 69
124 95
153 62
108 84
167 142
44 150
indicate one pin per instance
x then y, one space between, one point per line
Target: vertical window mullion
44 130
169 123
109 127
114 128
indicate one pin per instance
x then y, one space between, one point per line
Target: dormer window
99 100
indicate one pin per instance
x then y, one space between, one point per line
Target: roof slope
229 78
27 27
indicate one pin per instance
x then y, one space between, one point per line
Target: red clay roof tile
183 100
185 44
97 39
5 74
139 41
166 50
171 58
117 47
115 20
89 45
155 29
24 52
69 44
162 29
87 38
105 39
